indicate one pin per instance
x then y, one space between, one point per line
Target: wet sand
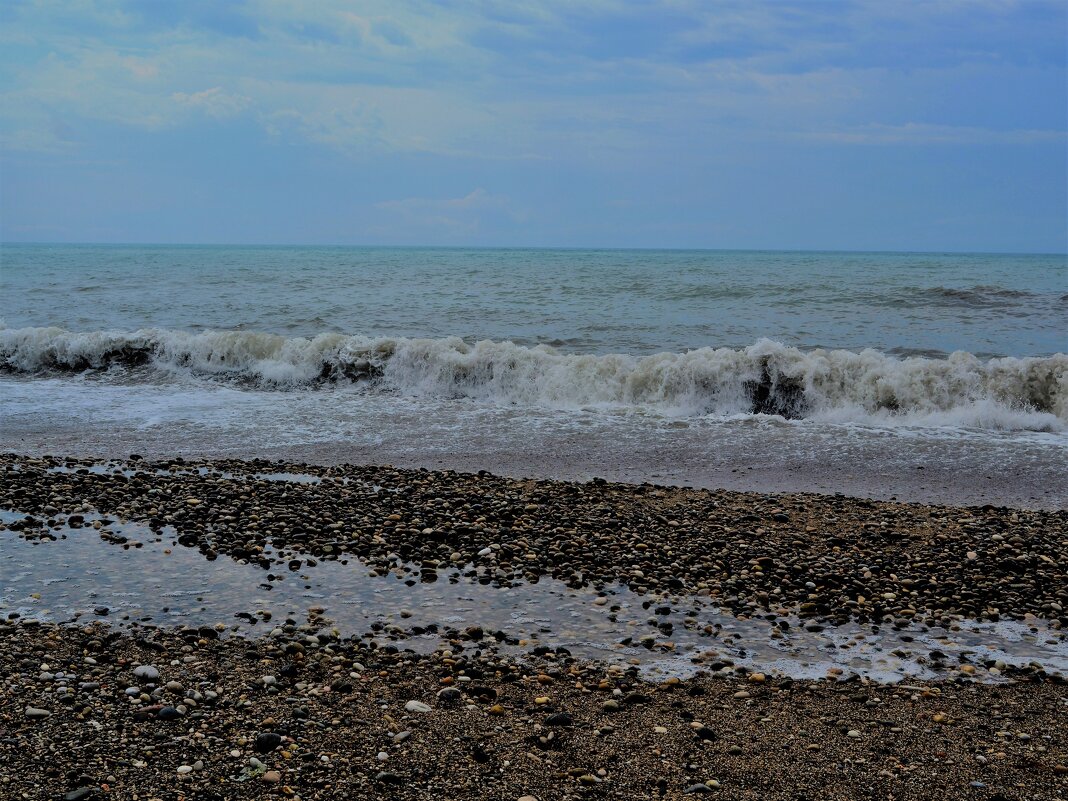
865 463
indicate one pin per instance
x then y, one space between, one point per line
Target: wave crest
766 377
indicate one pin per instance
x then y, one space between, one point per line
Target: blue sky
899 125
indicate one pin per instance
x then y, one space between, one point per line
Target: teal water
585 301
933 376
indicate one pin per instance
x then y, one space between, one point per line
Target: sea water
777 370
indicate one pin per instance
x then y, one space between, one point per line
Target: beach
707 662
293 717
786 526
612 401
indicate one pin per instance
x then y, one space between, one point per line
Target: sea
936 377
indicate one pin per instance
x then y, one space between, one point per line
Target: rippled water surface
595 301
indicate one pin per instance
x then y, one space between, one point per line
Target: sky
793 124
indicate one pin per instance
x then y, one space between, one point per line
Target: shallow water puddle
152 579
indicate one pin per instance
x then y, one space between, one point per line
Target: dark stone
267 741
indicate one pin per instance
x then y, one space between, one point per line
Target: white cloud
419 77
214 102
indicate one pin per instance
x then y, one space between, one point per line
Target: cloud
501 81
693 107
214 102
455 215
475 199
914 133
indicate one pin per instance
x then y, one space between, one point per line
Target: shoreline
929 476
748 551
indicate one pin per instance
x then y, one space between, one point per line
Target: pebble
417 706
267 741
184 769
34 713
146 672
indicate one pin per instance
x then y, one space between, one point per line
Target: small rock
268 741
146 672
417 706
33 713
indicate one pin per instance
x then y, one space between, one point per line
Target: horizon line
649 248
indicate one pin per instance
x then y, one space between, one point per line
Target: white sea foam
833 385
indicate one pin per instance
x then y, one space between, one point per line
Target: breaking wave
764 378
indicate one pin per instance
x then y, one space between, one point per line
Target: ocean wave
764 378
983 296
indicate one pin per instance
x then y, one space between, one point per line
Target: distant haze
725 124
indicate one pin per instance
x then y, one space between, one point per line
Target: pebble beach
678 648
